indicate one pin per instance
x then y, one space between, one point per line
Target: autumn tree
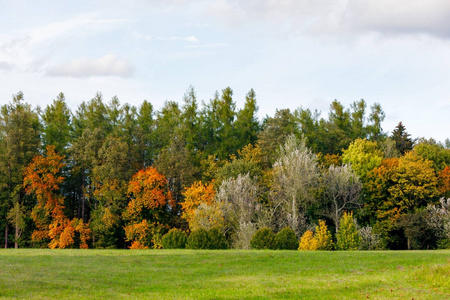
415 184
323 237
444 182
198 193
308 242
248 161
376 189
363 156
347 235
148 211
42 179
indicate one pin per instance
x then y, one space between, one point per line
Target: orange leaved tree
148 211
42 179
198 193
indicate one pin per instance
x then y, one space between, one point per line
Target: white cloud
340 16
108 65
30 49
211 45
5 66
189 39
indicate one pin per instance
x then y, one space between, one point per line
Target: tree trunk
16 236
294 214
6 236
82 196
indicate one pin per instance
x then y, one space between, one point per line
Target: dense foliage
111 175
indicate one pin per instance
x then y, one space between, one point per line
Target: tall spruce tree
402 139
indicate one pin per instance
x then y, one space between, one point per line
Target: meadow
223 274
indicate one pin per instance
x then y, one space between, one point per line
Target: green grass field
229 274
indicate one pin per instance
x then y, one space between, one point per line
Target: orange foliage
444 182
195 195
148 207
41 178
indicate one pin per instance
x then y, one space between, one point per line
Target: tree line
112 175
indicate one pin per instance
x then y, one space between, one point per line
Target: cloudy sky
293 53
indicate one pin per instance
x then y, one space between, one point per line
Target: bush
264 238
308 241
323 237
369 239
243 235
174 239
198 239
444 244
216 239
347 235
285 239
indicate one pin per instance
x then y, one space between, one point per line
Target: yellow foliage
308 241
195 195
323 237
207 217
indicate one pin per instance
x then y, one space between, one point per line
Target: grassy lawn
229 274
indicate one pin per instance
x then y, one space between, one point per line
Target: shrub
369 239
444 244
323 237
174 239
308 241
264 238
347 235
243 235
285 239
216 239
198 239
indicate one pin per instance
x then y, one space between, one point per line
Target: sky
293 53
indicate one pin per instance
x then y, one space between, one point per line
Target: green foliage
207 239
264 238
347 235
174 239
104 143
429 149
363 155
444 244
286 239
402 139
198 239
417 232
216 239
